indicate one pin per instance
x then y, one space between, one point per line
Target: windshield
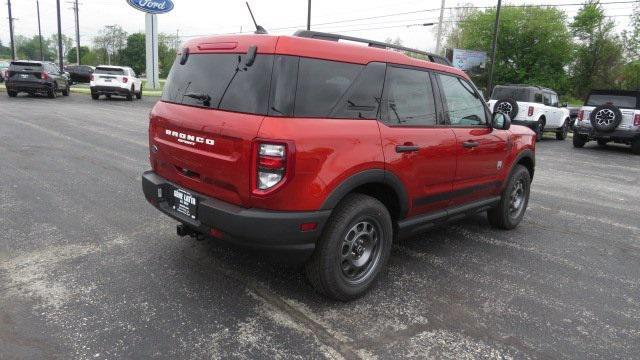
109 71
622 101
517 93
221 81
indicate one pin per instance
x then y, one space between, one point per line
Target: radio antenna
259 29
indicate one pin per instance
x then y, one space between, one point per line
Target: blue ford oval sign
152 6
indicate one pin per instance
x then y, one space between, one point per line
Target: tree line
539 45
112 46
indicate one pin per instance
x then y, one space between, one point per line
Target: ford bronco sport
532 106
328 151
609 115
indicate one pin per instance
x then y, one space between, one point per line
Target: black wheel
579 140
513 203
53 92
605 118
354 247
635 146
139 94
564 131
540 129
130 94
602 142
66 90
108 96
12 93
95 96
507 106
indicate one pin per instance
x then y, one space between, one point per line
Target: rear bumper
616 134
27 86
109 90
254 228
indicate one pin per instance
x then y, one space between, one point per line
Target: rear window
517 93
18 65
622 101
109 71
223 78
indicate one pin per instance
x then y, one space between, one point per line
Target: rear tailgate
204 150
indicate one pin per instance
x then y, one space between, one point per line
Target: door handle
407 148
470 144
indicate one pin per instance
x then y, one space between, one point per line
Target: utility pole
494 46
308 14
13 47
439 36
60 55
39 30
75 8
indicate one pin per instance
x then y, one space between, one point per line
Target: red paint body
326 152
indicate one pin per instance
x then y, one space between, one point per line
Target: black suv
609 116
36 77
80 73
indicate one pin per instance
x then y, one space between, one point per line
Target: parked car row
43 77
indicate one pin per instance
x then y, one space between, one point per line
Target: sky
192 18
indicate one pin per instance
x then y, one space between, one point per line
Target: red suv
328 150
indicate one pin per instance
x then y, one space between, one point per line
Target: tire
540 129
95 96
334 269
579 140
513 203
635 146
507 106
605 118
53 92
130 94
564 131
65 92
139 94
12 93
602 142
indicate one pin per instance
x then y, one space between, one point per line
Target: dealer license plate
185 203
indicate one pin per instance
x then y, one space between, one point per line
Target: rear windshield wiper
205 98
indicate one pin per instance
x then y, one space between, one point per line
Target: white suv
609 116
115 80
532 106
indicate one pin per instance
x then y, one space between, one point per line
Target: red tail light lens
273 165
636 120
44 76
125 80
580 115
530 112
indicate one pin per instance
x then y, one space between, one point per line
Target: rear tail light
44 76
92 78
530 112
581 115
272 166
125 79
636 120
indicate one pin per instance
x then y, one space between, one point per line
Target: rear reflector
636 120
530 113
216 233
310 226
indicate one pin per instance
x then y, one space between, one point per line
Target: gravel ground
89 270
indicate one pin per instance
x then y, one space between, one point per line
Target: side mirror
251 56
565 105
500 121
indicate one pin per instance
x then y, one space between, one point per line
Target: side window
538 98
554 100
546 99
463 106
408 98
362 99
321 84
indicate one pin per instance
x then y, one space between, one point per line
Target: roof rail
372 43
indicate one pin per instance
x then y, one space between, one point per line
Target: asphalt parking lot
89 270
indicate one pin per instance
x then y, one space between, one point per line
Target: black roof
616 92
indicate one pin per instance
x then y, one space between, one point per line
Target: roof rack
371 43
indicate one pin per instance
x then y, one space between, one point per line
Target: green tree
71 54
631 36
29 48
5 51
134 53
534 44
630 75
599 54
67 43
108 44
167 49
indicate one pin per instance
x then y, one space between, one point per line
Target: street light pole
13 47
439 36
39 30
60 37
494 47
309 15
75 7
